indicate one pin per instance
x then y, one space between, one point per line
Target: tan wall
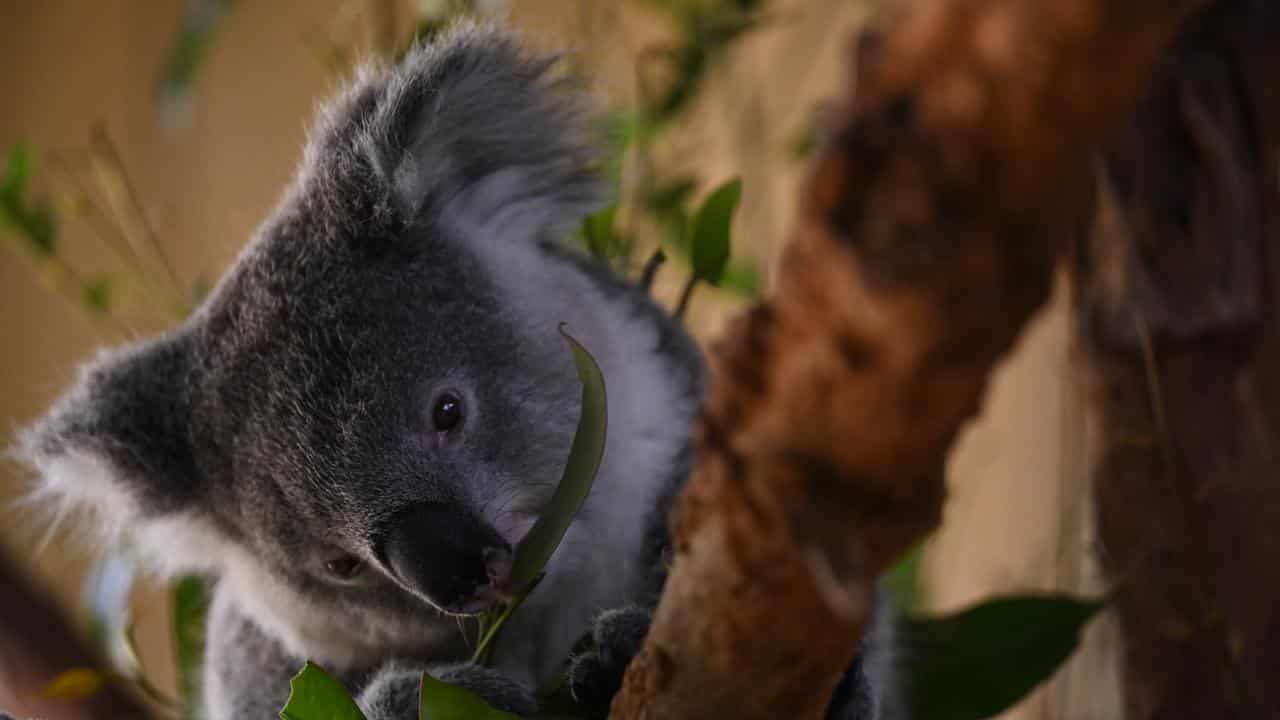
67 65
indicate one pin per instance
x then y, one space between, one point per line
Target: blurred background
157 135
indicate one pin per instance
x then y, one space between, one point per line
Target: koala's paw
392 694
596 674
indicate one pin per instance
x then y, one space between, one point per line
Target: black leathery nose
441 550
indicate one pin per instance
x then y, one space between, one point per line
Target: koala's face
396 422
361 413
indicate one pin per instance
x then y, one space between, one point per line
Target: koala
361 421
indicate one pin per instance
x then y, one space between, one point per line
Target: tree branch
927 237
36 645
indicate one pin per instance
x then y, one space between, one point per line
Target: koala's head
358 420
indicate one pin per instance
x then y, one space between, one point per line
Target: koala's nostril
497 561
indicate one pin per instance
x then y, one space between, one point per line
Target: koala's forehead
338 328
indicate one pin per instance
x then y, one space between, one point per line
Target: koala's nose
446 554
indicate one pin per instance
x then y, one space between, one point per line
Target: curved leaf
981 661
75 684
315 695
442 701
190 608
579 472
711 226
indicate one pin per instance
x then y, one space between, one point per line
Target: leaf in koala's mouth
537 547
585 455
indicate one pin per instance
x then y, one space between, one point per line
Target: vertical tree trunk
927 236
1177 298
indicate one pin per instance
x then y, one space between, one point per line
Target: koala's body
364 417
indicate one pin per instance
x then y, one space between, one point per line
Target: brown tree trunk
927 236
1177 300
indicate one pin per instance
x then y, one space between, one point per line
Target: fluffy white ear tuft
116 451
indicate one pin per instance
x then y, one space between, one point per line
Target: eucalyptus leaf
33 222
190 609
191 47
97 295
442 701
598 230
711 226
315 695
16 172
76 684
579 472
982 661
903 579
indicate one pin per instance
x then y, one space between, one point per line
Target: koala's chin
354 429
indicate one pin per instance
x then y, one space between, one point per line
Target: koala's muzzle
446 554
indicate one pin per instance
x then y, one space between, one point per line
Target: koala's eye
344 567
447 413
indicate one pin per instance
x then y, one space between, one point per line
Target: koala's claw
595 675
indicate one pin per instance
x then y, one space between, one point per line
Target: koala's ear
118 444
472 129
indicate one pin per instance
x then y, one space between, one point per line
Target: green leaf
982 661
598 230
190 608
191 47
442 701
315 695
579 472
16 173
75 684
741 278
710 251
903 579
97 295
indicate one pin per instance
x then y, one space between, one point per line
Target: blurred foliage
979 662
195 36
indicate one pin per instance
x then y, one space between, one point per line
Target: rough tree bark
927 236
1177 299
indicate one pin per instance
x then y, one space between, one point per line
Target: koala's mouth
514 526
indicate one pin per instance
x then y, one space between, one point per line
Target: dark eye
344 567
447 413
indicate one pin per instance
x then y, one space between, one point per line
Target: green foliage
191 47
707 32
585 453
579 473
710 246
981 661
190 610
33 222
442 701
903 580
315 695
599 235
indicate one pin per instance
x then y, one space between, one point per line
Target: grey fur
290 414
289 418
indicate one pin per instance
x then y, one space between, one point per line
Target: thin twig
123 196
685 296
651 269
